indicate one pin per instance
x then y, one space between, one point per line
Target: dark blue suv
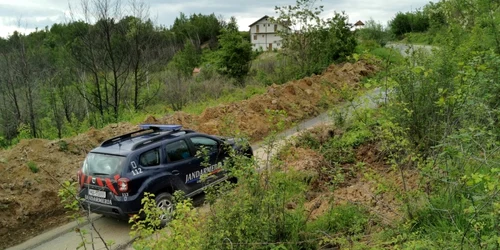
158 159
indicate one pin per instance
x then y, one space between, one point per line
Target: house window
257 28
262 35
275 27
254 37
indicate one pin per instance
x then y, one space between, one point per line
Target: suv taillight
123 185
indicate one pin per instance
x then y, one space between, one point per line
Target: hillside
29 201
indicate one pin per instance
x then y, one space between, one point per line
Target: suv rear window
102 164
150 158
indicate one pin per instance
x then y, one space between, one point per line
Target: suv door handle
175 172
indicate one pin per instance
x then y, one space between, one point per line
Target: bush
33 167
314 43
344 219
403 23
3 142
388 55
373 31
340 148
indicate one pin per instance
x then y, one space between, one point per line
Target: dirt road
65 237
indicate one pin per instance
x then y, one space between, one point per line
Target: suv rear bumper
109 210
117 208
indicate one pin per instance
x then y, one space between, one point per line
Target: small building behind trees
359 25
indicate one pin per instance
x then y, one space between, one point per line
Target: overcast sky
26 15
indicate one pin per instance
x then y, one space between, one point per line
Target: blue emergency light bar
160 127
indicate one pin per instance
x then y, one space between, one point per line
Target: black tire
233 180
165 201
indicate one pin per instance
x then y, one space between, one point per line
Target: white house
264 35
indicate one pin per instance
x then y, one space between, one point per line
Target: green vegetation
433 146
33 167
442 120
265 210
374 32
435 140
233 58
313 43
62 80
409 22
424 38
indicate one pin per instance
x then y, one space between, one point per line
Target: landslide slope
29 203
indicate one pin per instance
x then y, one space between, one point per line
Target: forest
93 70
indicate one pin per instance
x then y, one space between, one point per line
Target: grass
419 38
229 97
33 167
388 55
194 108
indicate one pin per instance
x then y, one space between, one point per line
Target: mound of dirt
28 199
300 99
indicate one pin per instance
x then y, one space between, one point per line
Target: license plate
97 193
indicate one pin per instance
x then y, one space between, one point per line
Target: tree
311 42
104 52
340 40
145 48
200 29
177 89
11 116
186 59
374 31
403 23
234 54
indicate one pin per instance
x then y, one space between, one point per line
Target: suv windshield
102 164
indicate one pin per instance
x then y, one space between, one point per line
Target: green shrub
367 45
63 145
388 55
345 219
340 148
3 142
375 32
419 38
308 140
33 167
403 23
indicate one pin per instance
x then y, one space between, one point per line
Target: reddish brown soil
376 186
29 203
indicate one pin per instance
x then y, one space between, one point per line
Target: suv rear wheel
165 201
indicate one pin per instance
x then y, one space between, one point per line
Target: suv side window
150 158
177 151
208 143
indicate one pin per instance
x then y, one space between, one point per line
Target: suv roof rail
159 137
144 127
158 127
